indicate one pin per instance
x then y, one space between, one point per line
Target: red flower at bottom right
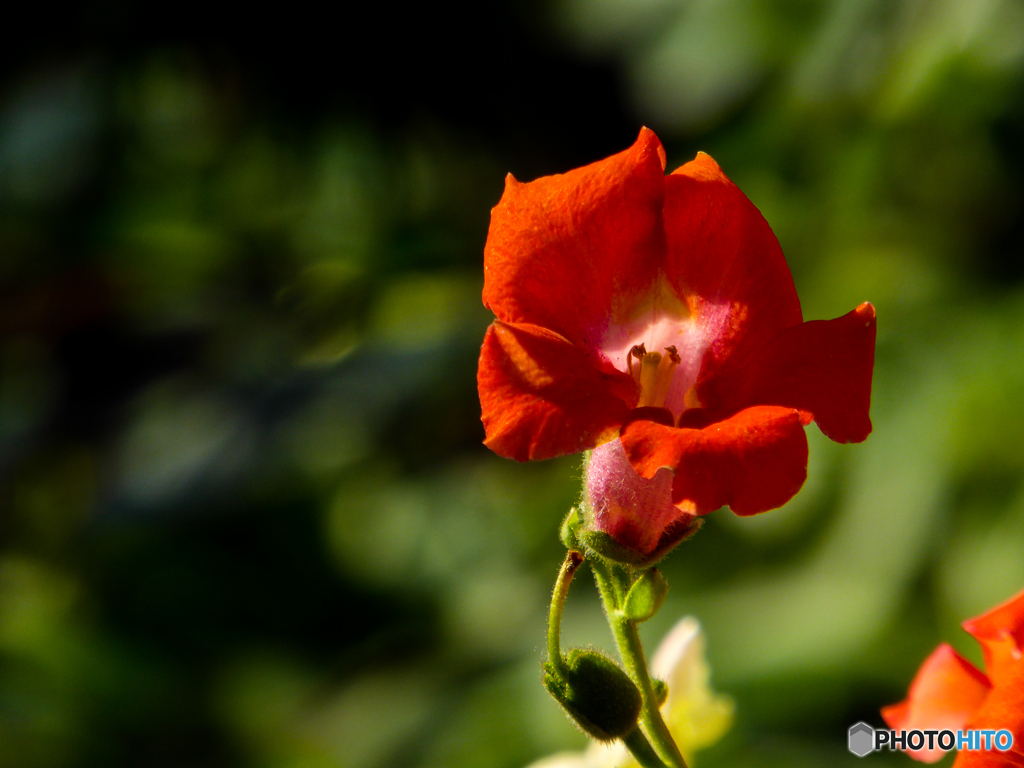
950 693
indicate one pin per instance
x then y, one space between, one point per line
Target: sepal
603 545
595 692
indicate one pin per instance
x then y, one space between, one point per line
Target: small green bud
660 690
596 694
646 595
570 526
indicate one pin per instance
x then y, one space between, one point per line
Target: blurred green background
245 515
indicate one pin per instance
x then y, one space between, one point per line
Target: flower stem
569 565
613 587
641 749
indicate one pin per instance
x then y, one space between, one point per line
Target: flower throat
653 372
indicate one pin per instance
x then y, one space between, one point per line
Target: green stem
569 565
641 749
627 638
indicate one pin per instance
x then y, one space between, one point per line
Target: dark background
245 515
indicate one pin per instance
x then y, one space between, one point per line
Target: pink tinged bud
633 511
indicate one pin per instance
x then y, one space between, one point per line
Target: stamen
638 351
663 377
653 372
648 376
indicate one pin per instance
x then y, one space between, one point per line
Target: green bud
570 527
646 595
660 690
596 694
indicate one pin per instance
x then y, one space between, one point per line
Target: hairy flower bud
596 694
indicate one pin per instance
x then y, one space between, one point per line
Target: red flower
949 692
660 310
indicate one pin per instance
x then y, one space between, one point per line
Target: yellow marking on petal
658 299
648 377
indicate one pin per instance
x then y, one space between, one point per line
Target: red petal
542 396
723 257
946 692
562 249
1001 634
822 368
754 460
1003 709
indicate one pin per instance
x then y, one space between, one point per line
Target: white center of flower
660 338
663 356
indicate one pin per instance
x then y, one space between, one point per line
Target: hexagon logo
861 739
